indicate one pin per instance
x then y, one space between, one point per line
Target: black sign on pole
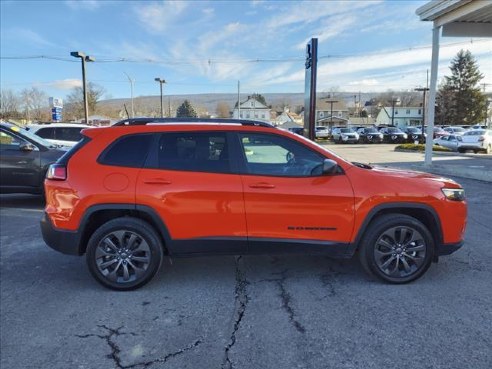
310 88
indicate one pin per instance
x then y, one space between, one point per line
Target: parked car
345 135
454 130
393 135
439 132
297 130
370 135
134 189
322 132
478 140
24 160
479 126
67 134
414 134
451 141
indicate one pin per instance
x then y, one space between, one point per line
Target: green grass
420 147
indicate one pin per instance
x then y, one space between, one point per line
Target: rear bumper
449 248
66 242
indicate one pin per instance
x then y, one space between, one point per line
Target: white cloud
83 4
65 84
311 11
208 11
26 35
157 17
364 82
330 29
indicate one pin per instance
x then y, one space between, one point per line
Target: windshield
475 133
346 130
413 130
321 128
458 129
372 130
394 130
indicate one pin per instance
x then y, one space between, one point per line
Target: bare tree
9 104
223 109
74 107
35 103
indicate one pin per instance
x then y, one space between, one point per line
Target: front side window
68 133
8 141
47 133
194 151
273 155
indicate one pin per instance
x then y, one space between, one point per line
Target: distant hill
207 103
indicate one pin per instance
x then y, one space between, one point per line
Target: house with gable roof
252 109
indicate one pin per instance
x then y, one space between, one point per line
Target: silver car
451 142
344 135
478 140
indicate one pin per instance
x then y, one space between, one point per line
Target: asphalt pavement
243 312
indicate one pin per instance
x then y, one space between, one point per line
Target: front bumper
66 242
449 248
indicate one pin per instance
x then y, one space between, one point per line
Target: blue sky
207 46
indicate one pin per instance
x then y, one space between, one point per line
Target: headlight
454 194
405 135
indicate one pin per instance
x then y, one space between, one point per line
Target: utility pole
84 58
131 91
161 82
331 101
238 100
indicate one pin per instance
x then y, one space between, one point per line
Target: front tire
396 248
124 253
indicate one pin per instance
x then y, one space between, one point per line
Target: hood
412 174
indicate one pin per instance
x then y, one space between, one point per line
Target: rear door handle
157 181
261 185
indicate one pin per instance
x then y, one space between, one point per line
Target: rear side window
128 151
194 151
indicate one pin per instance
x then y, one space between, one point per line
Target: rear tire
124 253
396 248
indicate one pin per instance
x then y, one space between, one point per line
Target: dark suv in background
24 159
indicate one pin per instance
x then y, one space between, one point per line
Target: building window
339 114
321 114
247 115
396 111
241 115
420 111
408 111
263 116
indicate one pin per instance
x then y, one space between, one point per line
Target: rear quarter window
128 151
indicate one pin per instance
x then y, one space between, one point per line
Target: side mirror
26 147
329 166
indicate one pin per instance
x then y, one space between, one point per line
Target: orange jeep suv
130 194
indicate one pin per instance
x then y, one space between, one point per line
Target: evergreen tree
186 110
459 99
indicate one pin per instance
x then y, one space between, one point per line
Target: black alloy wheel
124 253
397 249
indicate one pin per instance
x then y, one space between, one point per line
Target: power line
211 61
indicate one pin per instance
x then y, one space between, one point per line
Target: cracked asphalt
244 311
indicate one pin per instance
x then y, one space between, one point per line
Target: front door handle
261 185
157 181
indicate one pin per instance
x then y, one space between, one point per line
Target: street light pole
131 92
84 58
161 82
331 110
393 101
424 90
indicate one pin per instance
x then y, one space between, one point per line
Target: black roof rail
144 121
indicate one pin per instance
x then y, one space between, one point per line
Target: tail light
481 138
57 172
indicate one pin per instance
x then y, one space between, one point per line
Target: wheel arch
422 212
99 214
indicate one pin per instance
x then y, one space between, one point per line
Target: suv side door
193 185
287 198
20 161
